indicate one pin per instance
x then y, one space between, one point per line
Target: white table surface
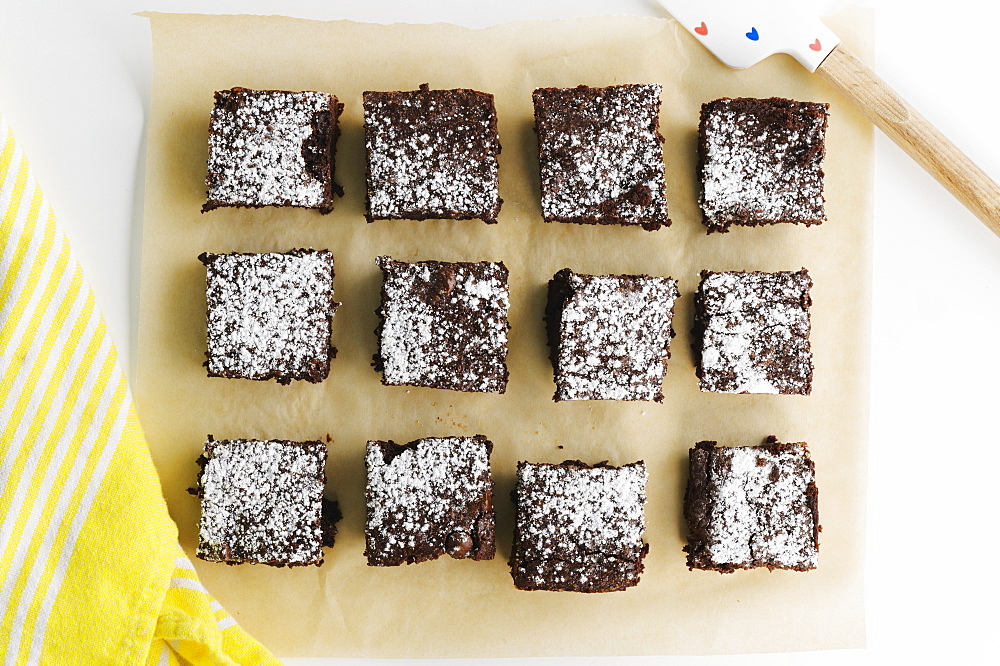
75 81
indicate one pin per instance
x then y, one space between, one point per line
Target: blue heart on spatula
752 35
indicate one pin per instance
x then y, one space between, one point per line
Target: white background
75 82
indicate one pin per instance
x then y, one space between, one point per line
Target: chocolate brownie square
427 498
272 148
610 335
751 332
600 155
262 502
443 325
269 315
761 162
578 527
432 154
752 506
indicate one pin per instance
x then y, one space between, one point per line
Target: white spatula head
741 33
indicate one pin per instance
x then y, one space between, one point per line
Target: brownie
609 335
262 502
443 325
578 527
432 154
269 315
751 332
600 155
427 498
751 506
272 148
761 162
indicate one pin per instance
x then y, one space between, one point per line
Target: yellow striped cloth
90 569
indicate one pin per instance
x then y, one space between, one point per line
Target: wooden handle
911 132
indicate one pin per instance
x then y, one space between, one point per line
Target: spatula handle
911 132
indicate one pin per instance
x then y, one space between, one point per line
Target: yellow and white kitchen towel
90 569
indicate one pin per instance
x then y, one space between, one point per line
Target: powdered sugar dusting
426 490
432 154
269 314
444 325
756 332
262 501
614 337
258 143
755 170
600 153
576 526
760 511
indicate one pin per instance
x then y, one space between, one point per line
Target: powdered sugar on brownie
600 155
262 502
269 314
755 332
579 527
444 325
259 142
757 507
614 336
432 154
761 162
419 494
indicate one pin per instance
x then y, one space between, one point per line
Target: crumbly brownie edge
490 216
330 513
698 505
815 109
649 223
316 372
559 293
482 528
326 132
523 583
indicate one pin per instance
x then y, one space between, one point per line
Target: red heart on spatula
702 29
815 46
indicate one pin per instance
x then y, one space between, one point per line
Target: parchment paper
451 608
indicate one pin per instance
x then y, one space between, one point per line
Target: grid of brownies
434 154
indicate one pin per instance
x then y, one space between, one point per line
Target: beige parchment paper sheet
451 608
